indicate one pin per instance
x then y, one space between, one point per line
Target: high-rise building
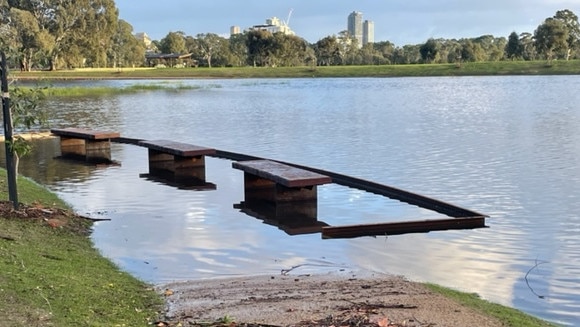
355 26
368 32
235 30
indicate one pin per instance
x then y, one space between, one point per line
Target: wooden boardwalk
458 217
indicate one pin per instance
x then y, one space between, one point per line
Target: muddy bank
315 300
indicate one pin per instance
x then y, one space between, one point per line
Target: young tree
27 113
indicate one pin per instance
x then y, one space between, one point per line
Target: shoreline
496 68
316 300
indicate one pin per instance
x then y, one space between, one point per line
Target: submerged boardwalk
284 193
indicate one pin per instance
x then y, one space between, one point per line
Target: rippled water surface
505 146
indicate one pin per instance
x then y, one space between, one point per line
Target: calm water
505 146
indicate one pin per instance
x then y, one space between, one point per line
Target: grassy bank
508 316
54 277
465 69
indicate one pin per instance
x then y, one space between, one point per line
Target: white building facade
363 32
355 26
274 25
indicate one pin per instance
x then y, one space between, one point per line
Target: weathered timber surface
85 133
177 148
282 174
373 187
398 228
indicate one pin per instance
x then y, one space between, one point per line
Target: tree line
62 34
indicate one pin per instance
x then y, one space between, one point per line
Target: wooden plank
397 228
85 133
282 174
177 148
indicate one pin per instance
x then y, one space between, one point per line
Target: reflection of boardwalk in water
290 202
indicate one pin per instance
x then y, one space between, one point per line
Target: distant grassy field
466 69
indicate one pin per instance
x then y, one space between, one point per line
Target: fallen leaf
383 322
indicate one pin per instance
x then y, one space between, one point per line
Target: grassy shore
508 316
465 69
54 276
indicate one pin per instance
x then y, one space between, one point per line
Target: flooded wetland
508 147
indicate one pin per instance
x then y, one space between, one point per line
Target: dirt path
320 300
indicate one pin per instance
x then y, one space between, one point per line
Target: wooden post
10 162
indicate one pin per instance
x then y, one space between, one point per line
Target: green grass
508 316
106 90
54 276
465 69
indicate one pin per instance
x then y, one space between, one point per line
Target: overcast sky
399 21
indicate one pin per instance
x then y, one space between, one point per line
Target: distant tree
173 42
429 50
348 47
370 56
385 49
27 38
514 48
260 48
551 37
570 21
472 51
327 51
407 54
208 44
82 27
288 50
102 22
528 46
127 50
238 50
454 54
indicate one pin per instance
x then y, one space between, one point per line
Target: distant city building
274 25
144 38
368 32
235 30
355 26
362 32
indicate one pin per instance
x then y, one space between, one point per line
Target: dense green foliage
54 277
59 34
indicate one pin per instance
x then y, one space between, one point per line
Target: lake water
508 147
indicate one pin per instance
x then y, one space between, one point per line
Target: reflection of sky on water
505 146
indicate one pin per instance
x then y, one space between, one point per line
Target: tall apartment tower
235 30
355 26
368 32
